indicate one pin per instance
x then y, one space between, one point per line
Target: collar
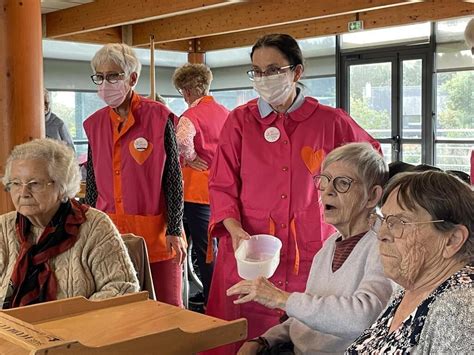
47 116
205 98
265 109
135 100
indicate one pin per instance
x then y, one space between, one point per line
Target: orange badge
312 159
140 149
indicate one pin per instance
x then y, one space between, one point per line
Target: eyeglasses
32 186
112 78
394 224
270 71
341 184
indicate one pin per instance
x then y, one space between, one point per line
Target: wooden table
131 324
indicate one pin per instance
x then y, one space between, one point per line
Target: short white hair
469 33
120 54
60 161
368 163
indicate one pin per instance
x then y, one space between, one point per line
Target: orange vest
208 117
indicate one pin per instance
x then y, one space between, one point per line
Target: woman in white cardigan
52 246
346 288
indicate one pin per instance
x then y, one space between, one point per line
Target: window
73 108
454 129
176 104
323 89
233 98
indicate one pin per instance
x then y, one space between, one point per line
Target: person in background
198 133
425 229
397 167
261 178
53 247
55 127
346 289
133 171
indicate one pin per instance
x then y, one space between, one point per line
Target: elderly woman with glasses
53 247
346 288
261 178
425 229
133 171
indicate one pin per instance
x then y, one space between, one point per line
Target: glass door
386 93
370 101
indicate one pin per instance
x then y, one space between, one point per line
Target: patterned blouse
378 340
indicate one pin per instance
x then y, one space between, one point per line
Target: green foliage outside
457 89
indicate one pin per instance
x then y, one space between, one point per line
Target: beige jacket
96 267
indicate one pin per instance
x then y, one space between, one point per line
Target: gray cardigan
336 306
449 326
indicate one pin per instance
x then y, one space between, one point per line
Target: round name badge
272 134
140 144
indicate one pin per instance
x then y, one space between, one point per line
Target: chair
138 253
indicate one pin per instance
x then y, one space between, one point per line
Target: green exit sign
355 26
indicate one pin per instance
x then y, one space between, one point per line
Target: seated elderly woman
346 289
426 246
52 247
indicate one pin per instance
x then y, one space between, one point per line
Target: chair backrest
138 253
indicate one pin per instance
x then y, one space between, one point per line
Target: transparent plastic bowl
258 256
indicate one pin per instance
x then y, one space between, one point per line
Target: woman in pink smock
261 178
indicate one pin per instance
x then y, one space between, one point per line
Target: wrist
262 343
282 299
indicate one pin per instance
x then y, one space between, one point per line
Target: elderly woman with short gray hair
133 171
53 247
346 288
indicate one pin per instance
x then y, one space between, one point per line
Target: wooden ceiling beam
432 10
314 28
109 35
250 16
102 14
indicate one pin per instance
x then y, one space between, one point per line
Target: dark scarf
33 280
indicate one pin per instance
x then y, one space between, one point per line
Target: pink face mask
113 94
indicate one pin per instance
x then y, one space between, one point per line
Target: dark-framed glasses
394 224
341 184
32 186
270 71
112 78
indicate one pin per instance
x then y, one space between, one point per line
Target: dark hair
397 167
425 167
443 195
461 175
286 44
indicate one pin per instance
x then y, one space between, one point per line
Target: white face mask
274 89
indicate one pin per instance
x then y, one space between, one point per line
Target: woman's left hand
197 164
178 244
260 290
